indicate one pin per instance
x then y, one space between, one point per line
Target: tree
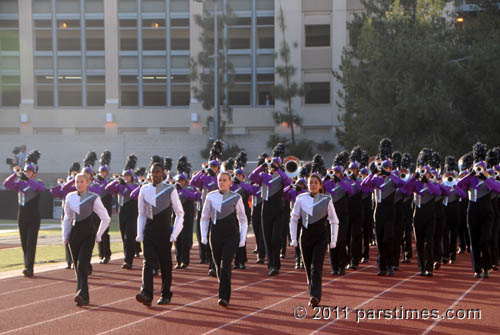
395 77
202 67
288 89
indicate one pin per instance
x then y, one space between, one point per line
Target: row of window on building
154 53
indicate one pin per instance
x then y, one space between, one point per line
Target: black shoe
422 273
406 260
242 266
137 254
81 301
27 273
313 302
177 266
335 273
364 260
163 301
452 261
477 275
353 267
184 265
342 272
105 260
155 272
486 274
212 273
390 273
381 273
460 251
255 251
126 266
68 266
142 299
395 268
428 273
445 261
297 265
282 256
260 261
437 265
274 272
495 267
223 302
301 265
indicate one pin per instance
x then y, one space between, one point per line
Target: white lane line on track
378 295
281 301
108 304
186 305
452 306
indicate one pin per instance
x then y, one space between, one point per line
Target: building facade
79 75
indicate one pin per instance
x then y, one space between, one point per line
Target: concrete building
77 75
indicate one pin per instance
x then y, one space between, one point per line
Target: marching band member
28 214
107 199
440 216
320 226
423 216
206 181
224 211
154 228
452 197
57 192
80 231
272 179
385 183
260 249
127 215
406 213
188 195
339 187
492 163
366 209
465 163
479 184
355 215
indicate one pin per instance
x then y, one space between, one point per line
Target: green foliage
280 117
202 67
410 75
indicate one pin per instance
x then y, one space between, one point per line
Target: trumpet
422 171
349 172
268 161
204 166
496 174
478 169
378 162
292 166
330 172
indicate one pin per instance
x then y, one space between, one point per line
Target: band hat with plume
105 161
32 161
89 162
130 165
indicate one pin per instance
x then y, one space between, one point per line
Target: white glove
333 244
65 241
242 243
204 241
172 238
139 238
294 243
98 238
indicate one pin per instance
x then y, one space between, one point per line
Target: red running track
259 304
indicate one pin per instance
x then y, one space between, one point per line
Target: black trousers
257 229
463 233
272 221
224 240
407 229
128 229
423 222
384 231
398 233
355 229
157 248
28 220
298 252
495 233
285 217
202 248
480 224
440 224
104 246
367 225
338 255
313 243
241 253
452 212
185 239
81 244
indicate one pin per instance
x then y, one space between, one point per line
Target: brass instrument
349 172
204 167
478 169
292 166
330 172
422 171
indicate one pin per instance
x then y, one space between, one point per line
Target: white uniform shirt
213 202
72 207
147 199
305 202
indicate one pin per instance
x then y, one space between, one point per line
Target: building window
240 92
69 52
318 35
265 85
317 93
9 55
149 70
